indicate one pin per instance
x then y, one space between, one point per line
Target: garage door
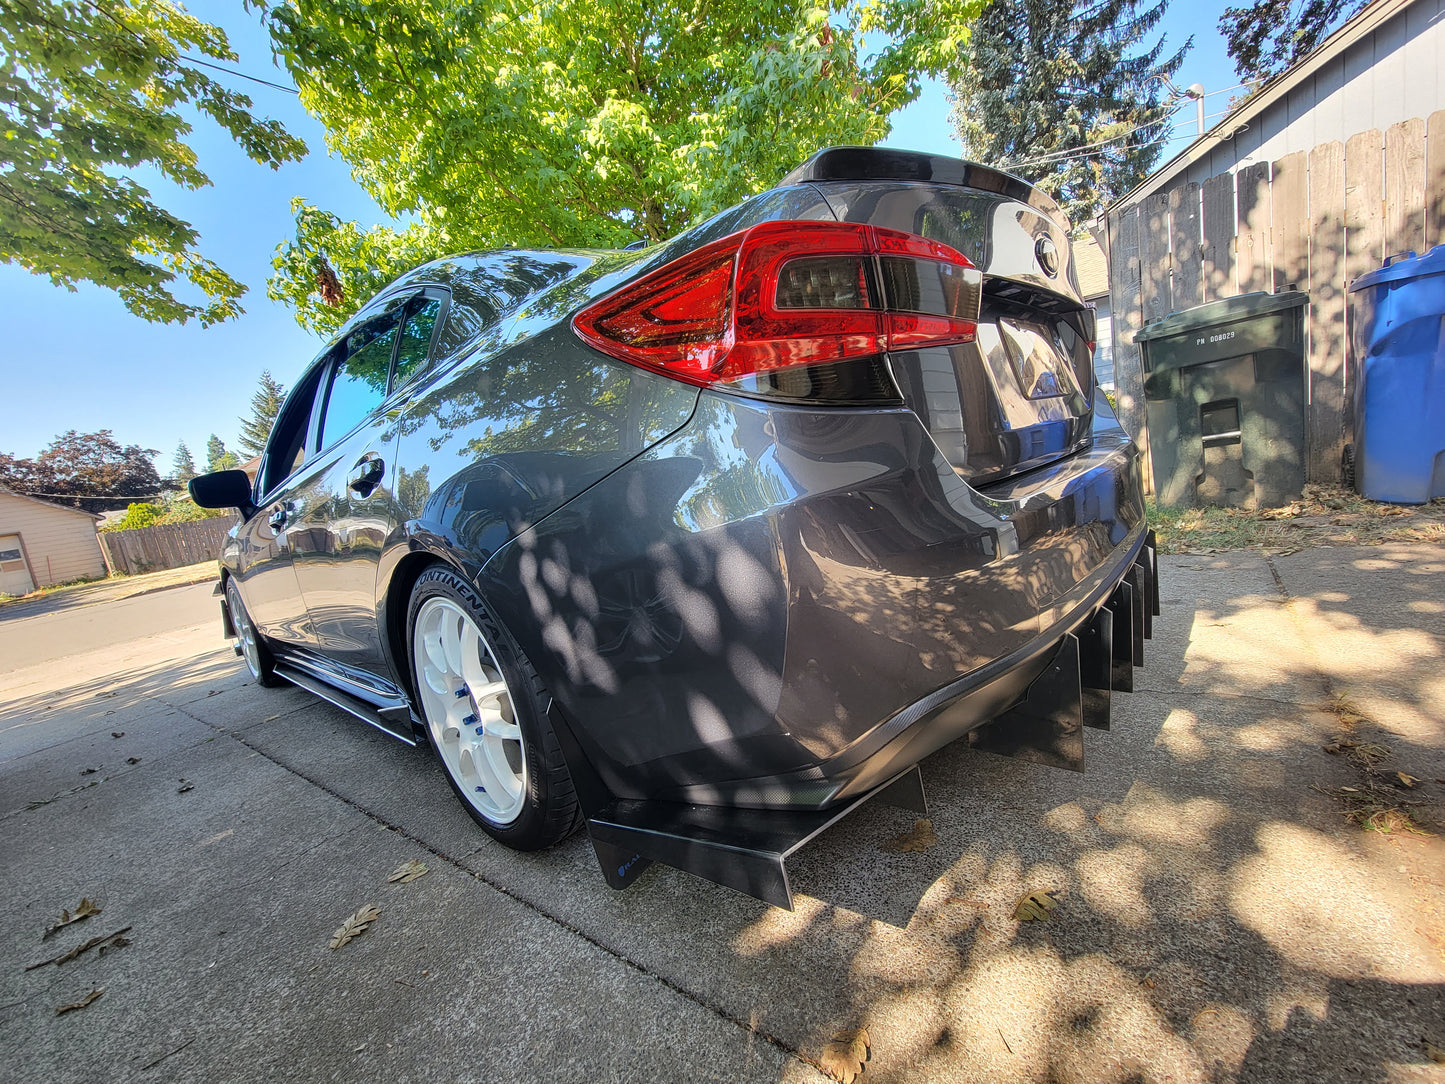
14 572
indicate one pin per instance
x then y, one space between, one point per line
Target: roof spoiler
886 164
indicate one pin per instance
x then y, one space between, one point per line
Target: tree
89 470
1268 36
183 466
556 123
137 516
1065 95
265 405
90 92
218 458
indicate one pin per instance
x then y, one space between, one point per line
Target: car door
347 509
266 573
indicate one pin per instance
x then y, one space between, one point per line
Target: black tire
1347 466
260 662
549 809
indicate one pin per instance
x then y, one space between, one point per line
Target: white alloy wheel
469 711
245 631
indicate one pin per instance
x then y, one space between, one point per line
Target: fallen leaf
110 940
185 787
88 771
1407 781
1340 745
1035 907
117 733
82 1003
919 839
84 909
407 872
115 942
355 925
132 760
845 1058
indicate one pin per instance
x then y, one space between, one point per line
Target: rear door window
418 327
359 378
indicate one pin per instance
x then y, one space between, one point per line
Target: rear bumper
917 613
782 610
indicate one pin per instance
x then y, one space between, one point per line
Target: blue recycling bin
1398 319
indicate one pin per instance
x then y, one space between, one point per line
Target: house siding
1390 75
60 544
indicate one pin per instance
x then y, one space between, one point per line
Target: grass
50 589
55 588
1325 515
1376 801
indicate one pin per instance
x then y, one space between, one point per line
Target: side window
416 336
286 448
358 383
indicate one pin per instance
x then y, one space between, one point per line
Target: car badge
1048 256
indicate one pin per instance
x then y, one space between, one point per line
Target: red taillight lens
784 294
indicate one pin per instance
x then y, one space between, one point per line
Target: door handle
277 518
366 475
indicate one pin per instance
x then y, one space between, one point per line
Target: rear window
956 217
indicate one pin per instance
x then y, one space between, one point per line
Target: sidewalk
109 590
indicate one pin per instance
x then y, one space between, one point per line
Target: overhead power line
239 75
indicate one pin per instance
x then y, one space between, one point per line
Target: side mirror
224 489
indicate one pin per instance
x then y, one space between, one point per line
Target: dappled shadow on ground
1217 918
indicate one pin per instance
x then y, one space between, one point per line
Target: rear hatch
1021 395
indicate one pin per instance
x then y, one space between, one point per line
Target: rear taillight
785 295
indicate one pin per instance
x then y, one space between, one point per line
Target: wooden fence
150 549
1314 220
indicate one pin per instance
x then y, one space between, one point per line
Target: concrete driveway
1218 919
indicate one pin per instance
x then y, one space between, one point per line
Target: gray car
703 545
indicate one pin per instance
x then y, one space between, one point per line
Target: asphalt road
1216 919
58 634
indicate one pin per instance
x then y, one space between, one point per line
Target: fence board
1290 231
1435 179
1217 228
1154 291
1124 266
1188 285
1327 425
1252 253
1364 211
150 549
1405 187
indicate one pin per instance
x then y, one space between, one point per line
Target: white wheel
258 658
469 711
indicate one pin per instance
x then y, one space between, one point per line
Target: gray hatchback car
705 544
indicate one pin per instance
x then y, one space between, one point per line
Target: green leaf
95 90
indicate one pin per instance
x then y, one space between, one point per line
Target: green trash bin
1225 389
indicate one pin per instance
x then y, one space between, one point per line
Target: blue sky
80 361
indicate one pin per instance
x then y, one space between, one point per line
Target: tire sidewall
526 832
